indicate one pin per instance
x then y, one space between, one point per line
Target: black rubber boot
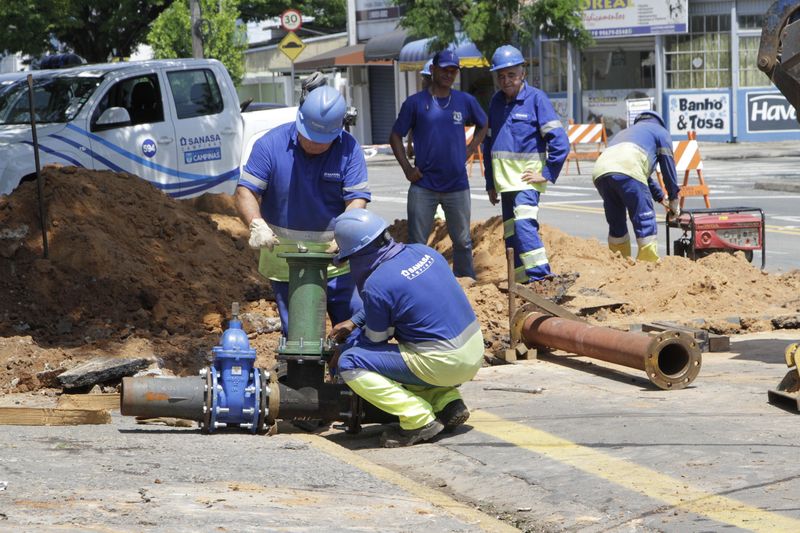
397 438
453 415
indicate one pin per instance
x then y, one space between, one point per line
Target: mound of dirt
132 271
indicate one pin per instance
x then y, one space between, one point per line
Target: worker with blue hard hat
525 149
623 177
299 177
403 287
438 116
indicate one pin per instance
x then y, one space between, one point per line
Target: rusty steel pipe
670 359
164 397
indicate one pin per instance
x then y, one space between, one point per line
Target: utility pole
197 38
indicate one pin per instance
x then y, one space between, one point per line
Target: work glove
675 208
261 235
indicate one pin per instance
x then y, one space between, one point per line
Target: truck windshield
55 99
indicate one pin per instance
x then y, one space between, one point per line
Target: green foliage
328 14
492 23
171 36
93 29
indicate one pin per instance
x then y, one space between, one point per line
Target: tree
223 39
328 14
492 23
93 29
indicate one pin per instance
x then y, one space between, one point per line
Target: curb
783 186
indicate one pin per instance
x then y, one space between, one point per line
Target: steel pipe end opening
673 360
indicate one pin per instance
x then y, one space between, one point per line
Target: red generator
728 229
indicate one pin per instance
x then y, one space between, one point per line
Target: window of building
749 75
750 22
700 59
554 66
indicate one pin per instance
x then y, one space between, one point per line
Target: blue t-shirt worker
299 177
438 116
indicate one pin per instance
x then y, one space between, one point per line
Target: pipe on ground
671 359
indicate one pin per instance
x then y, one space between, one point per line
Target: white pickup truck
175 123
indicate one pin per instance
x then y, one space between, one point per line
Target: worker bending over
304 174
409 293
622 176
526 149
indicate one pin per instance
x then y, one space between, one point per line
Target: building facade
699 70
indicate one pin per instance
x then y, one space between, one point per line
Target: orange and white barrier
688 158
585 134
469 133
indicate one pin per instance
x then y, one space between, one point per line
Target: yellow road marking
637 478
434 497
598 210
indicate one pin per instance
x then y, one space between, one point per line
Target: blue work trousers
343 300
521 232
457 206
623 194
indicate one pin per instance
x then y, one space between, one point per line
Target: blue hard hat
426 70
320 117
650 115
446 58
355 229
506 56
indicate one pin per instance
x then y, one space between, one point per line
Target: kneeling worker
409 293
622 177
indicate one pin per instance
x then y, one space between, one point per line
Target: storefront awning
347 56
386 46
414 54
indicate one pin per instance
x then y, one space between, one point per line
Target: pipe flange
673 360
205 425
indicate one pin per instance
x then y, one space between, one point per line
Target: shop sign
376 17
768 112
610 106
705 113
620 18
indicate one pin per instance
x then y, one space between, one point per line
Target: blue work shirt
525 134
440 143
301 195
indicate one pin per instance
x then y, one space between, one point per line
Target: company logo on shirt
456 117
419 267
521 116
331 175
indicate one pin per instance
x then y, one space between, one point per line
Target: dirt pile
132 270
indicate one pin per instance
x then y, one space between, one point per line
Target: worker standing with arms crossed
622 176
304 174
437 116
526 149
403 287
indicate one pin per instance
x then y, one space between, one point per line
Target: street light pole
195 18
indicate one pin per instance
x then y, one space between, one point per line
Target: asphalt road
574 206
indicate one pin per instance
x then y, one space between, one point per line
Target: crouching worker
409 293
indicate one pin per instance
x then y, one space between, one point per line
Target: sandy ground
134 272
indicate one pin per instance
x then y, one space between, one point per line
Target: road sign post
291 45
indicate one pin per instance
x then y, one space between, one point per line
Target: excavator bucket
788 392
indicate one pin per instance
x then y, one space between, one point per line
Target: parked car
175 123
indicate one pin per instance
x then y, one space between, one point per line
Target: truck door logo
149 148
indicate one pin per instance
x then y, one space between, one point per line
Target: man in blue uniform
304 174
622 176
437 116
526 148
403 287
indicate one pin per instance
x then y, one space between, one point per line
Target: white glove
261 235
675 208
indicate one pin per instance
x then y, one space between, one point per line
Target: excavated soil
133 272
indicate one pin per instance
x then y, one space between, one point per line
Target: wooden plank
44 416
89 401
543 303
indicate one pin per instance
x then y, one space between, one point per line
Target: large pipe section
231 393
670 359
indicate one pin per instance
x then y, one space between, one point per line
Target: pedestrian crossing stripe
676 493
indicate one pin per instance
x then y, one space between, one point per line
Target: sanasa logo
771 108
419 267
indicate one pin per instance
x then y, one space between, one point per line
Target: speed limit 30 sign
291 20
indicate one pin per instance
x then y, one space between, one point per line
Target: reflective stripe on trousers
521 232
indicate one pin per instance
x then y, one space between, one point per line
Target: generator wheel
681 248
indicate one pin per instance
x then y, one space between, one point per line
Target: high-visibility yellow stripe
434 497
674 492
508 228
533 258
